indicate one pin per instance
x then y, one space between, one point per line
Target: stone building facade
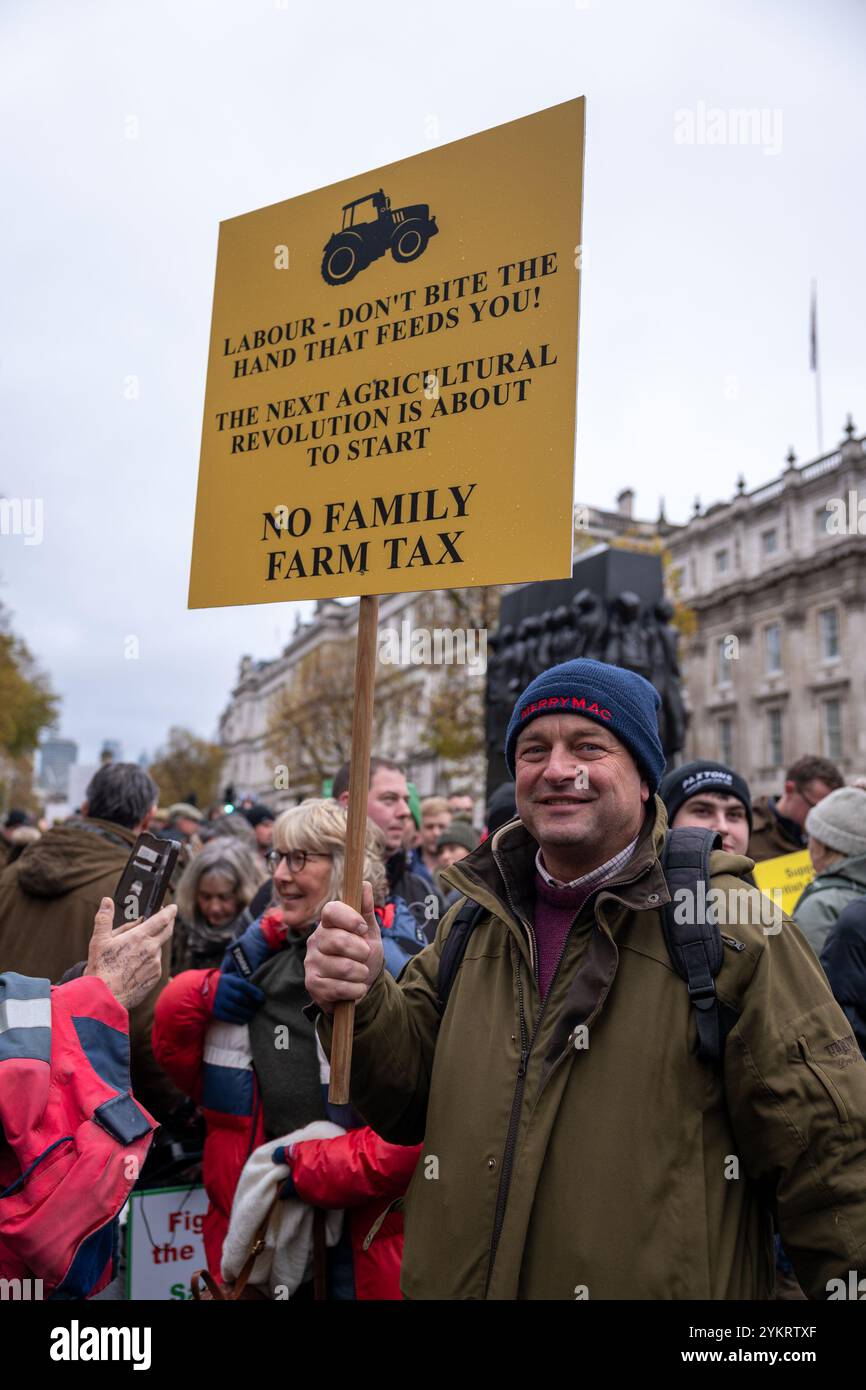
775 668
776 578
252 765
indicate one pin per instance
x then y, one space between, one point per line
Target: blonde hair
224 855
435 806
319 826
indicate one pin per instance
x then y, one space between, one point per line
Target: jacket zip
520 1083
533 951
511 1135
517 1102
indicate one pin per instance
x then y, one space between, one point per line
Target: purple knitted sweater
555 910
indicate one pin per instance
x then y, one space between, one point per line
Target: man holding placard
576 1141
392 360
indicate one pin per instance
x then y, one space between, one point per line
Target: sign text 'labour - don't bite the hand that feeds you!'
390 403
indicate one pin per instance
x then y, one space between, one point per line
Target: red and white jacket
211 1062
72 1138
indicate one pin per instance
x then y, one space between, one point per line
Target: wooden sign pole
356 827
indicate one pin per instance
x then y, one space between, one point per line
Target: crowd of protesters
469 1040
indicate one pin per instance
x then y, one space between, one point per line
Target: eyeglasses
295 858
806 799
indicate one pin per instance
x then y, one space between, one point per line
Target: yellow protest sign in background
789 874
391 385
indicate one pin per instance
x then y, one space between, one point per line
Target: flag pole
818 422
816 365
356 825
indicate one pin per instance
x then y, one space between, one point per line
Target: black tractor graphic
364 238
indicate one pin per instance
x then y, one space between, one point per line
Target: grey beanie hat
839 821
460 832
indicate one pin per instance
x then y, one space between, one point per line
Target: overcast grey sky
698 258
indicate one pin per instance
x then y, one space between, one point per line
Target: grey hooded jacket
824 898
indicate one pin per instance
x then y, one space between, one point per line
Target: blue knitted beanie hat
619 699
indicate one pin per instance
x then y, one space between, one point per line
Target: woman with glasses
238 1041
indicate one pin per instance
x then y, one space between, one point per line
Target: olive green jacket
619 1165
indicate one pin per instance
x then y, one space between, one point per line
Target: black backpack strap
695 945
454 949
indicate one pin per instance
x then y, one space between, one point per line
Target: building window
828 620
721 562
724 668
774 737
773 649
726 741
833 729
770 541
822 518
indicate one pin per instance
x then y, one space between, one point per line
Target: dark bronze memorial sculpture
613 609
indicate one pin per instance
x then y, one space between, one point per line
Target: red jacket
357 1171
72 1139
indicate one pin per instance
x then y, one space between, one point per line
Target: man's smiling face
579 792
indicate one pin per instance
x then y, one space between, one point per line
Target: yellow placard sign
787 875
391 386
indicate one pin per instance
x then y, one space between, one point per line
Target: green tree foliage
187 766
27 704
454 722
438 710
27 707
310 719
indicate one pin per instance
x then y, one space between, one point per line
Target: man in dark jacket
49 898
583 1146
844 960
388 807
778 821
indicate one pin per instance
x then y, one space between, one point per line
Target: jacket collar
789 828
105 829
500 873
852 869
